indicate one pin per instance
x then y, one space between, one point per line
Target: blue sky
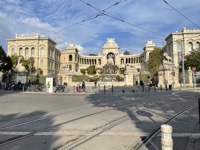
47 17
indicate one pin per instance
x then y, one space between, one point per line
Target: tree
192 60
154 60
31 67
126 53
91 69
5 61
93 55
14 59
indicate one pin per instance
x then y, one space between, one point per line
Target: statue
110 61
19 62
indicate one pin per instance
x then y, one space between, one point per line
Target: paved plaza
110 121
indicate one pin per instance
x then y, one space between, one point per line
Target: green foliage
126 53
122 70
6 63
25 64
14 59
79 78
154 60
42 80
192 60
82 71
91 70
93 55
31 67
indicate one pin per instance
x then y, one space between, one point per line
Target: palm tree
31 65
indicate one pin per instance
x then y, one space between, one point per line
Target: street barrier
166 138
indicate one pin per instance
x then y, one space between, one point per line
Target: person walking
83 86
95 84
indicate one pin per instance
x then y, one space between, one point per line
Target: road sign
194 68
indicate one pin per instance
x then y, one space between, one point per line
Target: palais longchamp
62 65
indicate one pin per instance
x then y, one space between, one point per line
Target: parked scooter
60 88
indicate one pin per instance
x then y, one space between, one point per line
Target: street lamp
183 66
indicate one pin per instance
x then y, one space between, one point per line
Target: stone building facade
43 50
62 64
179 44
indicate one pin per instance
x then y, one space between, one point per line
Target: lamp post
183 66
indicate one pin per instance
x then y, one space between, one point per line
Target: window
197 45
52 53
179 46
70 67
26 52
42 51
12 51
70 57
41 63
190 46
99 61
32 51
49 64
21 52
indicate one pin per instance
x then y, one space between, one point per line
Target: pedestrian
83 86
95 84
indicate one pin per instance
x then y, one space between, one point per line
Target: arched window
26 52
12 51
21 51
179 46
42 51
32 51
41 63
190 46
70 67
70 57
197 45
99 61
122 61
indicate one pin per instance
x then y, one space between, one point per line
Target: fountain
20 72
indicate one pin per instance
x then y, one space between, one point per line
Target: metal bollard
166 138
112 88
161 88
199 109
104 89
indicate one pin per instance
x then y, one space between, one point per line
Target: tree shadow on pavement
144 109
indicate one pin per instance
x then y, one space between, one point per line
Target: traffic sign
194 68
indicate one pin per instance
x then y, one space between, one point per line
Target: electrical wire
116 18
88 18
181 14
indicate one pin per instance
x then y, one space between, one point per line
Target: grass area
33 78
80 78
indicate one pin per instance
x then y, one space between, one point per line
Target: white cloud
28 17
38 25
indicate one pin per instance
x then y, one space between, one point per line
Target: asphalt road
30 121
